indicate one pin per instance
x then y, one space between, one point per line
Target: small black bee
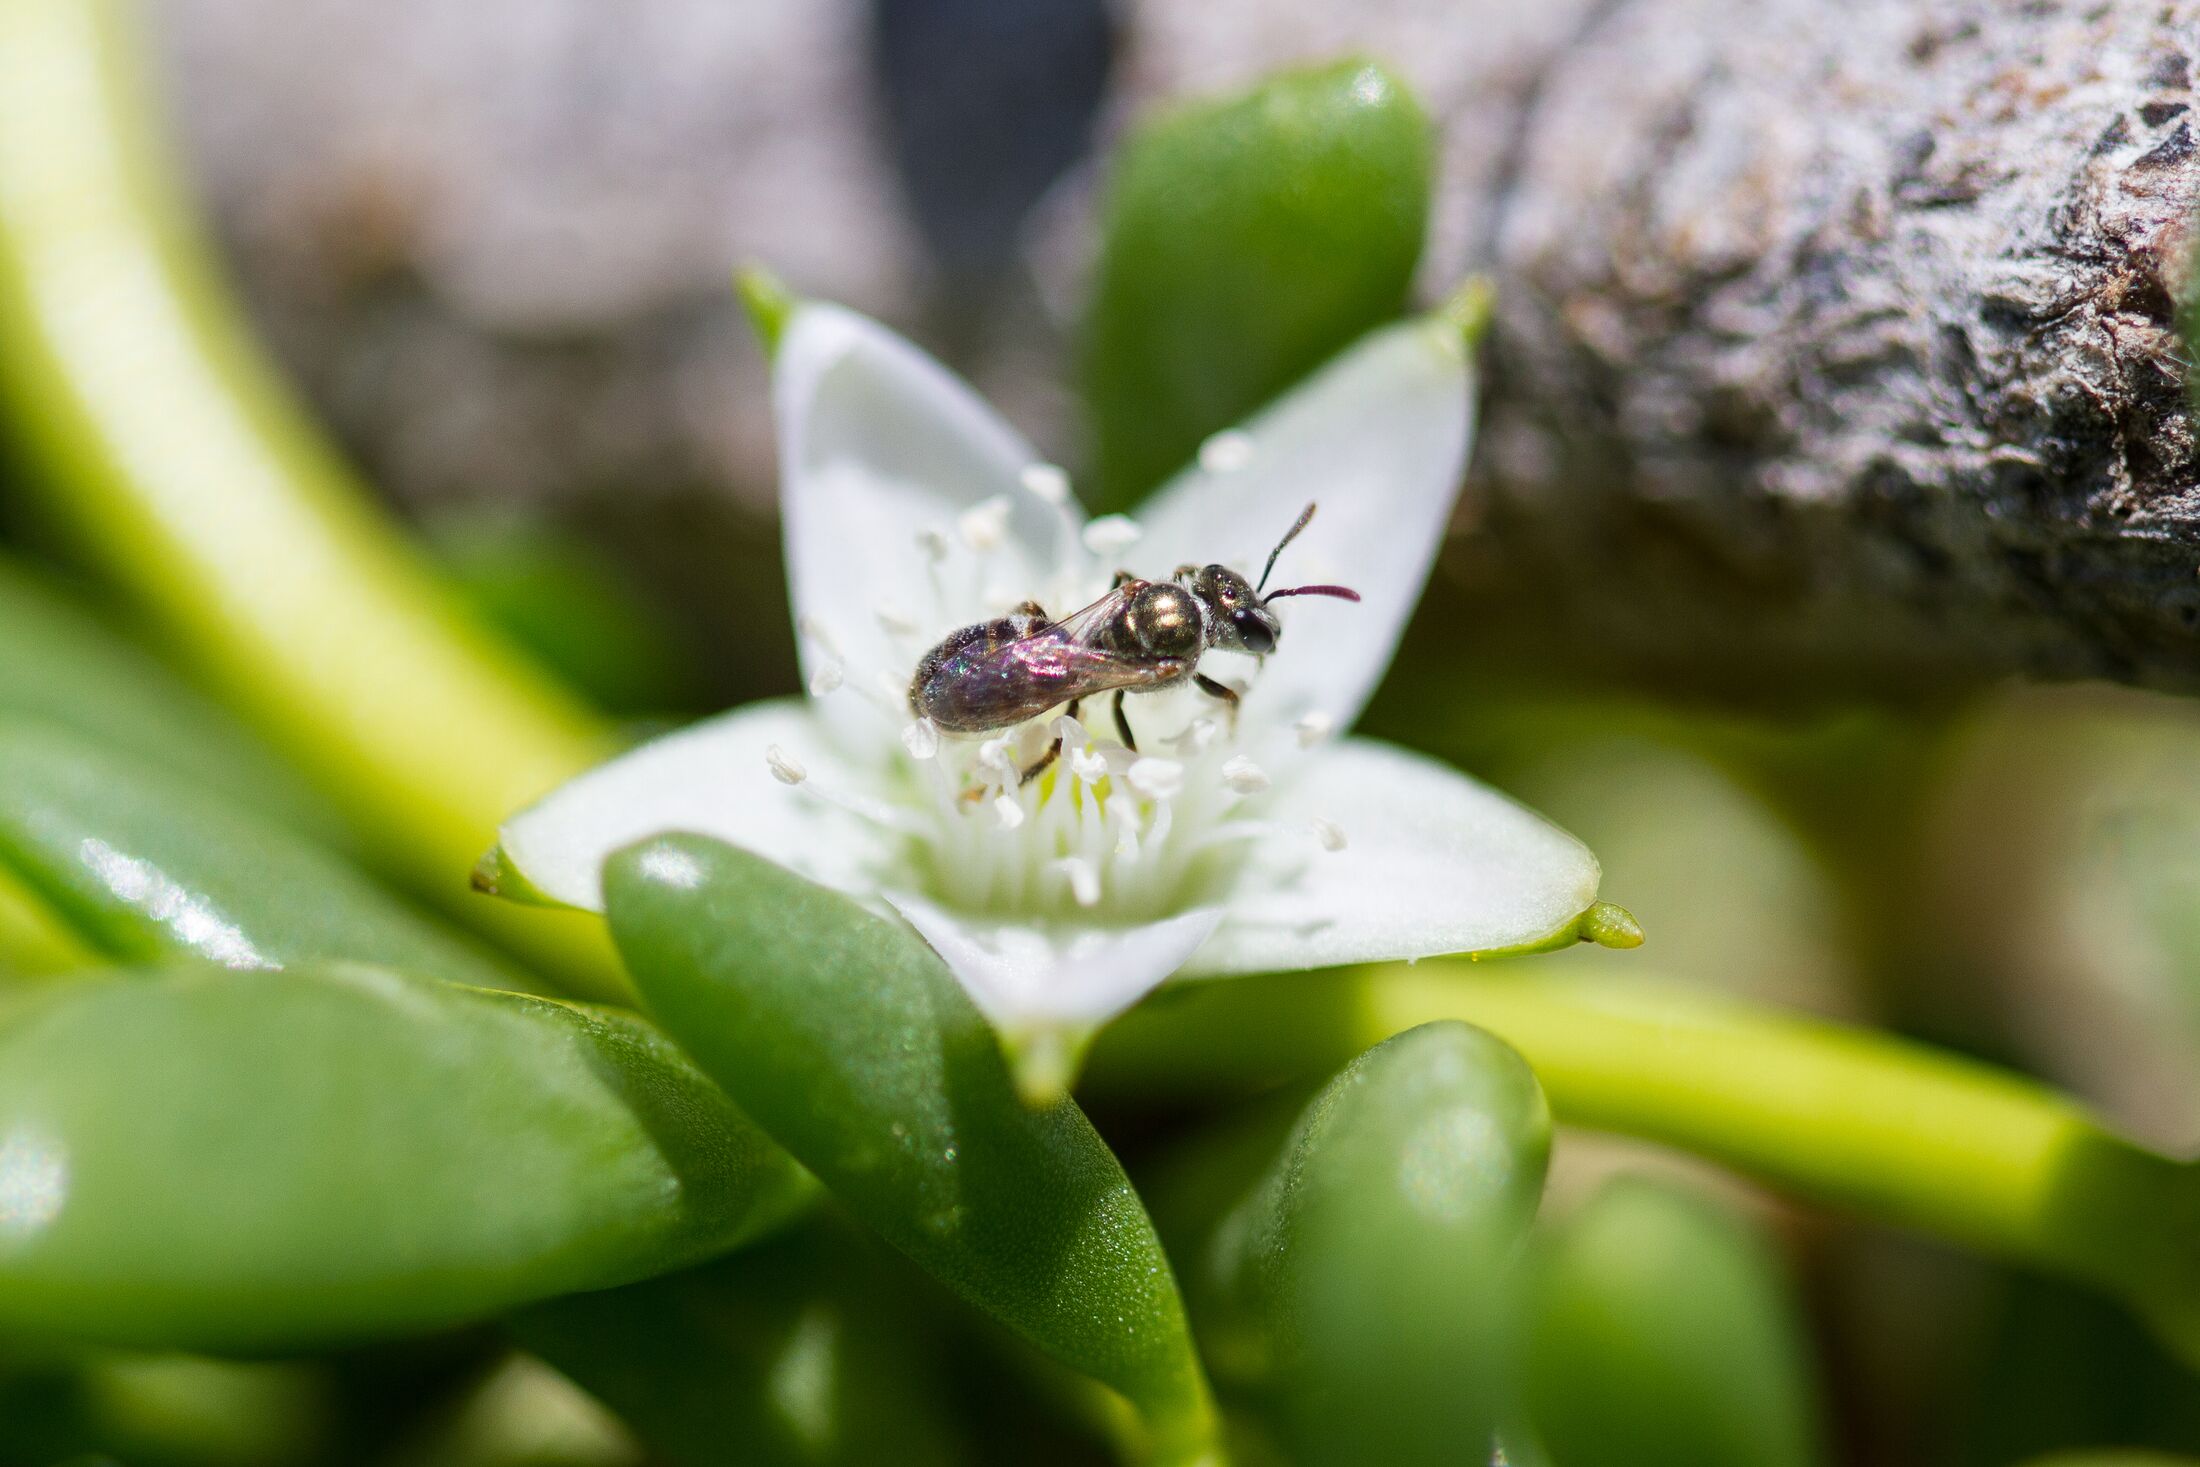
1141 637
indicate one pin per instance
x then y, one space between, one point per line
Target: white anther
921 739
993 754
1084 880
1328 834
896 621
1196 736
1111 534
1243 775
1089 765
1008 811
784 766
811 627
1313 728
828 677
1226 452
1069 732
1157 779
932 545
984 525
1045 482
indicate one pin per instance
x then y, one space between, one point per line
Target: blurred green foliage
1243 242
1665 1334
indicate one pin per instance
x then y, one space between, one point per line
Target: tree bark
1835 352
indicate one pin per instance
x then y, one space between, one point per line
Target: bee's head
1241 621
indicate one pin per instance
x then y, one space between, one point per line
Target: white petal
717 778
1434 863
882 451
1379 439
1025 976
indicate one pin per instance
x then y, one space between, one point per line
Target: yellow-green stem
1880 1126
167 447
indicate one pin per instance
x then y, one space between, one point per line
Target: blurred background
491 243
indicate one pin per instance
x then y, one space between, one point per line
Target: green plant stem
1891 1130
166 446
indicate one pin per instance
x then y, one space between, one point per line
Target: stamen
784 766
1195 736
897 622
1328 834
1157 779
1111 534
921 739
1089 765
993 755
1008 810
1045 482
1243 775
1084 880
1313 728
1226 452
984 525
932 545
828 678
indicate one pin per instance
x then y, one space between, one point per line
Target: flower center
1099 833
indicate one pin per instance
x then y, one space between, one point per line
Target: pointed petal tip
768 302
497 875
1468 310
1608 924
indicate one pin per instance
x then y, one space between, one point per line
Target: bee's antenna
1342 593
1288 536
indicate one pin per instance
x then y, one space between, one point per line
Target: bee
1141 637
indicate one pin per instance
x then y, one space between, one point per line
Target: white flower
910 510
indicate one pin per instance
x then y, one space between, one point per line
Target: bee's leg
1122 723
1224 691
1031 609
1122 578
1039 765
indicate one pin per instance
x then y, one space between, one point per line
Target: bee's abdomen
966 685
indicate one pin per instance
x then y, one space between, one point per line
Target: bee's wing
1066 659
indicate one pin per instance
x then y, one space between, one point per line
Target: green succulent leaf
794 1353
241 1160
1666 1336
1245 241
1377 1258
852 1044
61 664
143 868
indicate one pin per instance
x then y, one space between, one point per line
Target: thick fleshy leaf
1378 1256
1432 862
60 664
1665 1336
854 1046
234 1159
1379 439
797 1352
142 869
712 779
1244 241
880 447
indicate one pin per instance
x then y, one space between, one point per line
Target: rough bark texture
1835 351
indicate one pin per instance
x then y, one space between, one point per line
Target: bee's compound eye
1255 631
